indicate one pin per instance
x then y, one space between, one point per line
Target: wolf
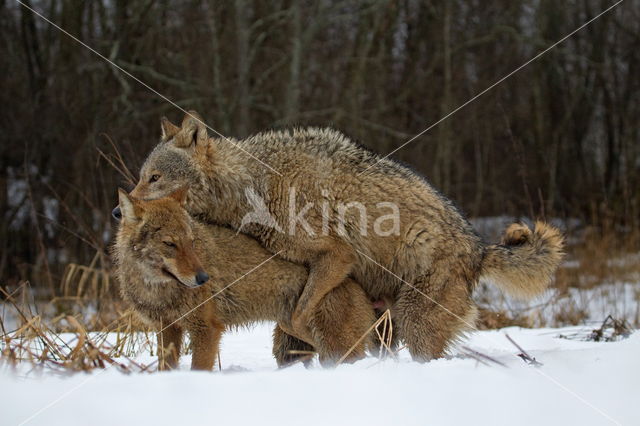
183 275
422 255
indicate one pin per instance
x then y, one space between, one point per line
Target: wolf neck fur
224 176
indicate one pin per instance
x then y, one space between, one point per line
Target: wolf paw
300 329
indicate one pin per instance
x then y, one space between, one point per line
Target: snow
580 382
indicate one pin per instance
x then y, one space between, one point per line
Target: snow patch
584 383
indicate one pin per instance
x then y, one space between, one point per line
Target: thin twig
523 354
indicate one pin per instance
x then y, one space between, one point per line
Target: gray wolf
169 264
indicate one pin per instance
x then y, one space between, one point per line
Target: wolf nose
202 277
116 213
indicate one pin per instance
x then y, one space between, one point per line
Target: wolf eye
169 244
154 178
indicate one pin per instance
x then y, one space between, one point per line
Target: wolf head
171 165
158 235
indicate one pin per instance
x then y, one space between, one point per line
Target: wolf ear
192 132
169 130
128 207
180 195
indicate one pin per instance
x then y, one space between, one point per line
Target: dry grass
86 282
62 343
611 330
383 329
600 257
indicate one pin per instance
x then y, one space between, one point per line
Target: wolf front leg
169 343
330 261
205 342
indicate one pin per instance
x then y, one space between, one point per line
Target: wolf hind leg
341 324
434 312
327 271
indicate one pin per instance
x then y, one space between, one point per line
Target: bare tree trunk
221 102
292 97
243 96
445 141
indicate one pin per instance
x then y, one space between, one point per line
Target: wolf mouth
168 273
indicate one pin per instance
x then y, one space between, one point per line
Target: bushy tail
524 263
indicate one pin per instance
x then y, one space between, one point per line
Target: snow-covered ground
583 383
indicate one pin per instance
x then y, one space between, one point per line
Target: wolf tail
524 263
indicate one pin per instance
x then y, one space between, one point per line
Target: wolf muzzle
202 277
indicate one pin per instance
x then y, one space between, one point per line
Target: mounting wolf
161 256
344 211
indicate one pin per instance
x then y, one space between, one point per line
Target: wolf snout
202 277
116 213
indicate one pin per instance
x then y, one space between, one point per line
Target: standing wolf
342 210
163 258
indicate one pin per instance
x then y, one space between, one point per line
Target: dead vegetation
522 354
63 343
610 330
601 255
